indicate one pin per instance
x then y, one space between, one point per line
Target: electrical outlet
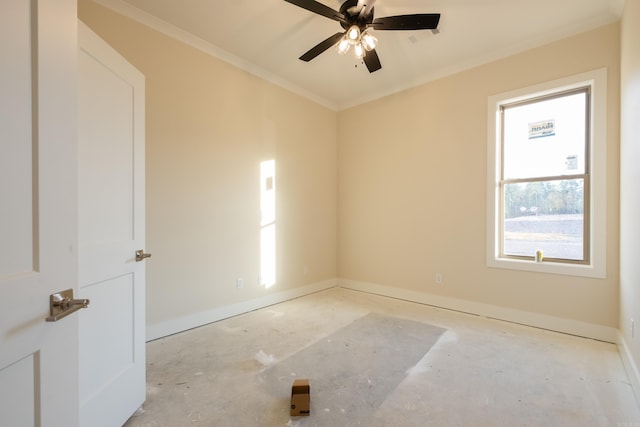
239 283
438 278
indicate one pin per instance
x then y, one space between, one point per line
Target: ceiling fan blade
372 61
321 47
320 9
421 21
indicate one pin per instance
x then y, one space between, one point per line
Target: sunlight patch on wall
268 223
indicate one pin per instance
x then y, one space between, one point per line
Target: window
544 177
546 186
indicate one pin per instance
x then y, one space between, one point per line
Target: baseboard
199 319
568 326
558 324
629 365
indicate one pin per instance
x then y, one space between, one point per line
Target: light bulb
369 41
343 46
359 51
353 35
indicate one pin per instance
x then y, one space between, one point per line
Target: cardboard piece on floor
300 397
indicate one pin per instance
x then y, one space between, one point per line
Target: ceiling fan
356 18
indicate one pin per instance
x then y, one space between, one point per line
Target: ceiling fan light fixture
369 41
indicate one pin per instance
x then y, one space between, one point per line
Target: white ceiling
266 37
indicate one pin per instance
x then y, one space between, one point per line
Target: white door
111 229
38 219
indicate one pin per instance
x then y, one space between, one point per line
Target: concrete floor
479 372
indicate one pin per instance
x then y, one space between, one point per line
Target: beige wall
209 125
630 179
394 189
412 187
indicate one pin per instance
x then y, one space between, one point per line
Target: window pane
547 216
545 138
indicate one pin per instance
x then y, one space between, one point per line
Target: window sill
593 271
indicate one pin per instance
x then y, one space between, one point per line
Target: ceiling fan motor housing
354 18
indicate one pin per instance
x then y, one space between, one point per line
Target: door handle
141 255
62 304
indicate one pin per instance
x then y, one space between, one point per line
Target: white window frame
597 80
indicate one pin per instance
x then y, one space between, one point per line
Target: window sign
542 129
